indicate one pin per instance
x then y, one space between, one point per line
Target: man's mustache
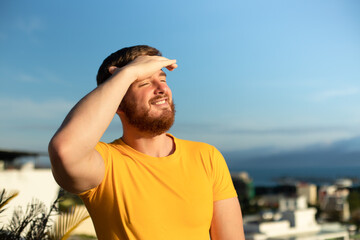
154 99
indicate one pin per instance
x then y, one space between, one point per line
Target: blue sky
252 74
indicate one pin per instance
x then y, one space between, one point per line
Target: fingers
171 67
170 64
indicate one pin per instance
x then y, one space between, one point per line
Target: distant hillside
342 153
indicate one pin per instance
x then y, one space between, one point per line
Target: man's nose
160 88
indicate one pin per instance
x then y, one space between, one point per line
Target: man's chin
166 113
153 122
156 125
158 111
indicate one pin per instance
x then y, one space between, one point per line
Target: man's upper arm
227 221
81 175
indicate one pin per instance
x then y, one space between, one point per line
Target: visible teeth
160 102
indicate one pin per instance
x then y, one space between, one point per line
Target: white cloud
29 124
50 76
27 78
329 94
29 25
35 75
28 109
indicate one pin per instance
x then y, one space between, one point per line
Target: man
147 184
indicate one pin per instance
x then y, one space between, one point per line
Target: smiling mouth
160 102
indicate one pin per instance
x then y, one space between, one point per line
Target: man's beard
140 119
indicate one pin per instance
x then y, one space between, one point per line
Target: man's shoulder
194 144
113 143
112 147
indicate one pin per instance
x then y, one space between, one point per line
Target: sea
276 175
285 175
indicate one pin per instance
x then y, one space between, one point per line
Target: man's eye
143 84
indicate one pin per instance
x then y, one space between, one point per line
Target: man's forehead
160 73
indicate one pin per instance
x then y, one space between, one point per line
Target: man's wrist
126 74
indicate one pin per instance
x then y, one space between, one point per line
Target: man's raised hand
144 67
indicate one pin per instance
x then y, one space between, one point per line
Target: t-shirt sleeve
103 149
223 187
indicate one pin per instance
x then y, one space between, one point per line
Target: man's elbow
59 152
61 163
54 149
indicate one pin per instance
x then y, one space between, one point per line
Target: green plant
35 223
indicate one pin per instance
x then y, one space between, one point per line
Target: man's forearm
88 120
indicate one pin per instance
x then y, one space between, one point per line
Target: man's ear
112 69
121 115
118 111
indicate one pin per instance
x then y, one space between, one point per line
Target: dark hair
122 57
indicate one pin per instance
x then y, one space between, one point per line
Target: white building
309 191
296 221
343 182
333 200
31 184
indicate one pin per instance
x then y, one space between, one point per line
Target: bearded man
147 184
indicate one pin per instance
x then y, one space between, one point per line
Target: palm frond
67 222
21 221
5 198
40 226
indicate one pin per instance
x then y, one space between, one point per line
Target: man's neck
156 146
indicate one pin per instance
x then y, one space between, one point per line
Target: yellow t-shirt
144 197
